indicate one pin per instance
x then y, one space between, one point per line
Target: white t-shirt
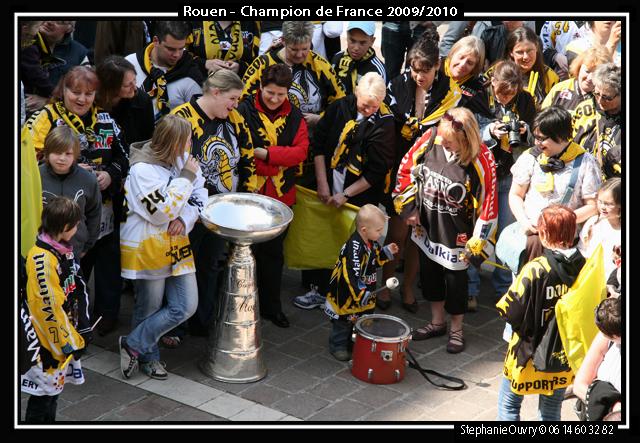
526 171
610 369
603 233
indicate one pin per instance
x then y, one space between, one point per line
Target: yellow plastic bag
575 310
317 232
30 193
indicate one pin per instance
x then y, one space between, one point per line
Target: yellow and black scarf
347 67
447 70
212 32
76 123
552 164
155 85
413 127
269 132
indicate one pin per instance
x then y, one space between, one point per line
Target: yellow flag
317 232
30 193
575 310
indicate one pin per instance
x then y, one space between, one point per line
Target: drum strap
414 364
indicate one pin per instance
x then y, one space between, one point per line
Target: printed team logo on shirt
308 100
566 95
461 239
443 194
219 160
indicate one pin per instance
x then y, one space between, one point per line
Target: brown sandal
456 342
429 331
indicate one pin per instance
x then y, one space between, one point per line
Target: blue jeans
151 320
340 337
509 403
501 278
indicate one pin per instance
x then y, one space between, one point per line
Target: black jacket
372 142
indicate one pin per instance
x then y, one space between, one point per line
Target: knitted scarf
347 67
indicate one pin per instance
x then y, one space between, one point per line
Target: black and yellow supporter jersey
353 276
581 106
349 70
604 142
529 306
315 84
239 43
223 148
57 300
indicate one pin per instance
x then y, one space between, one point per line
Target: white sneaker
310 300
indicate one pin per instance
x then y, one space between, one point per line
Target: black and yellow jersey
529 306
353 276
57 300
538 87
604 142
315 84
224 149
581 106
238 43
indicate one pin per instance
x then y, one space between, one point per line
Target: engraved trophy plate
234 351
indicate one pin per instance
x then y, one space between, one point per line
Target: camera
513 128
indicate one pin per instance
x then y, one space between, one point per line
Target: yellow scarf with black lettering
347 67
76 123
552 164
269 133
44 49
212 32
414 127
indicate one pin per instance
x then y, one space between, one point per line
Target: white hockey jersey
156 194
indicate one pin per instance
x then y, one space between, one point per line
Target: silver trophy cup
234 351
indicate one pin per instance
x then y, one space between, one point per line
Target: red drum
378 352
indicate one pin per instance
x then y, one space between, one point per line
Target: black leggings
442 284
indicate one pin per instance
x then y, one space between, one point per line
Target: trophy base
235 367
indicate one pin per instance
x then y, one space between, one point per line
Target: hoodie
156 194
529 306
82 187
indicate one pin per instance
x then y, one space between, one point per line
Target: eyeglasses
457 125
606 204
540 138
606 98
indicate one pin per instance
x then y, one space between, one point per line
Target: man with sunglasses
165 70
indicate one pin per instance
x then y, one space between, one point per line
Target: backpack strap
574 179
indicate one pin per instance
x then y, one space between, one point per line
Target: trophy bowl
245 218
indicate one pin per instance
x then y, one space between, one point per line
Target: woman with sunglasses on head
418 98
524 48
446 189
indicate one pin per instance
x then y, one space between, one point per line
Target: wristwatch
347 196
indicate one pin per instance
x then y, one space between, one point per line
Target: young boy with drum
353 279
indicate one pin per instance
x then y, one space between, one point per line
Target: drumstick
97 321
391 283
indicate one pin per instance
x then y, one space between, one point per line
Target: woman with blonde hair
446 190
463 65
223 146
165 195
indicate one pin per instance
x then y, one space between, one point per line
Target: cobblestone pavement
304 382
